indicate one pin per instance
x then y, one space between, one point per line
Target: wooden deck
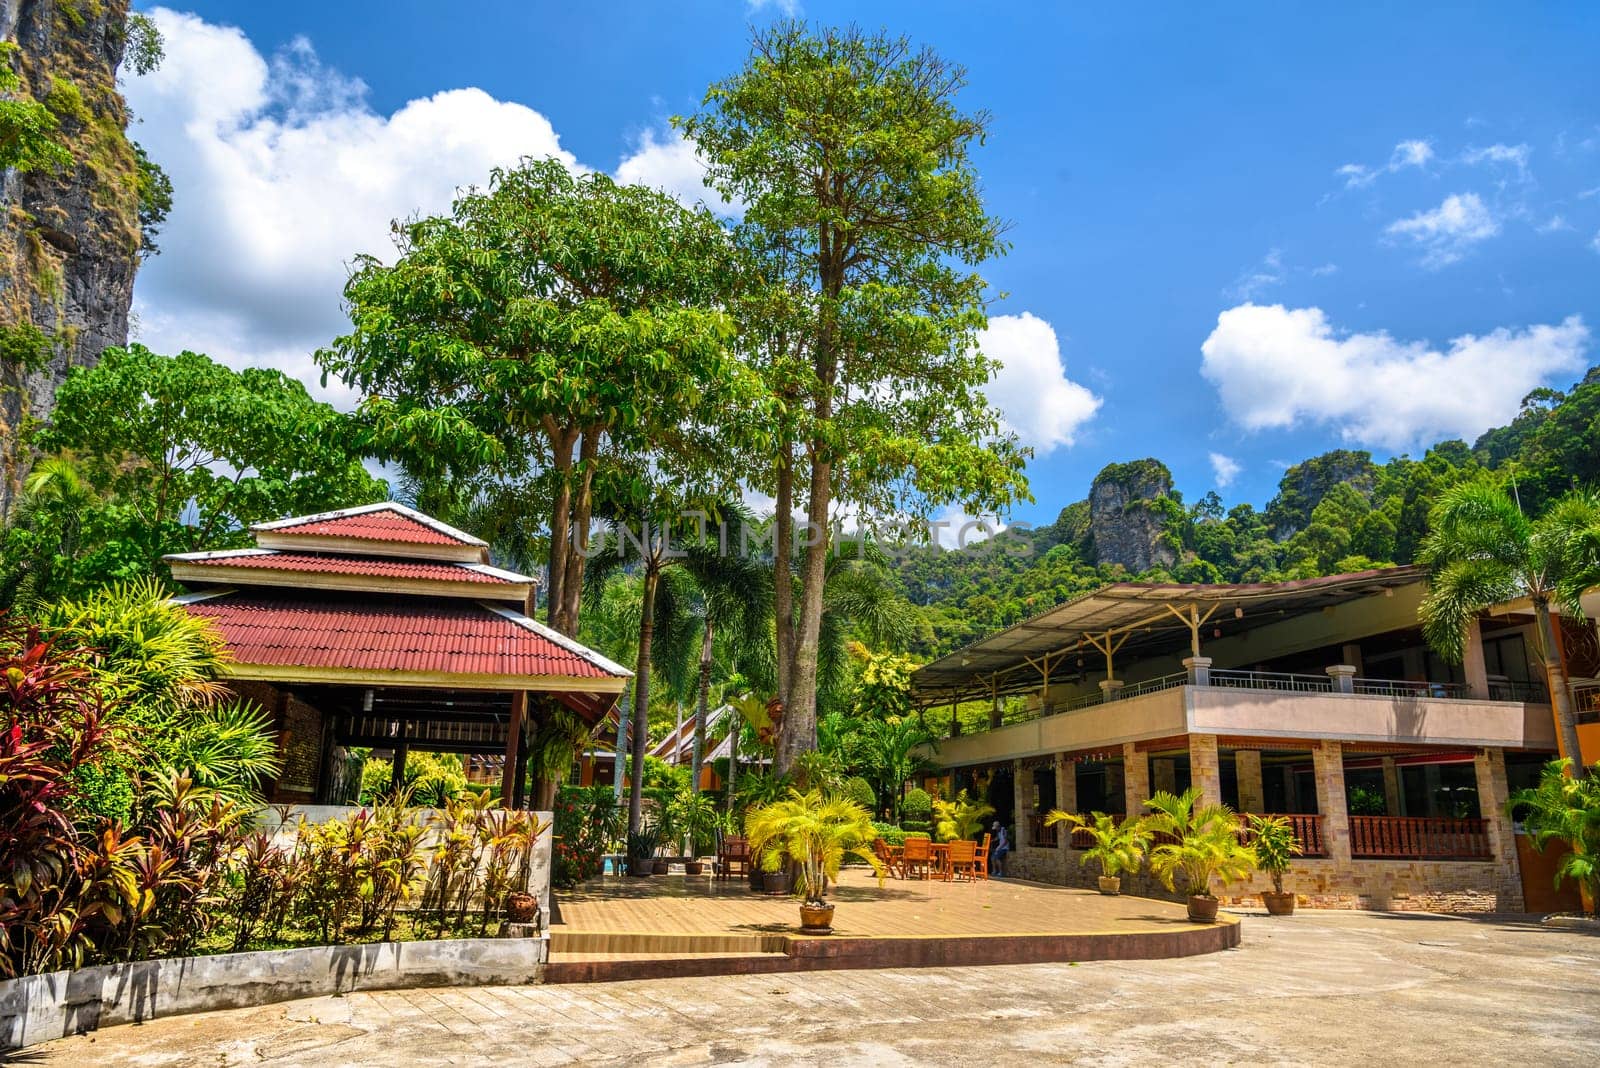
620 928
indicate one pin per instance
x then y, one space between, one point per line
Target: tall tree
864 214
1484 550
554 325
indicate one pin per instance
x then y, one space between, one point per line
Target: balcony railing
1586 702
1418 838
1449 691
1307 831
1040 836
1533 693
1270 680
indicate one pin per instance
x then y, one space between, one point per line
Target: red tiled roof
380 525
386 634
350 565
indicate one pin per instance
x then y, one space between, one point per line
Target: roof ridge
599 660
438 526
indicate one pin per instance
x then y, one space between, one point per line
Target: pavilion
382 627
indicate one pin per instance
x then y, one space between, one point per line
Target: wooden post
508 774
397 780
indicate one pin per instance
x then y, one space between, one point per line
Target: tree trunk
578 537
782 576
641 695
699 751
799 731
1560 694
624 715
561 442
733 759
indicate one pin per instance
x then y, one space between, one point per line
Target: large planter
816 919
522 907
1110 884
1278 904
660 867
641 867
777 882
1202 908
694 867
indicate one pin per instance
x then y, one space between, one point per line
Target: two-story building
1316 699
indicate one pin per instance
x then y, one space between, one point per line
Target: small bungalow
382 627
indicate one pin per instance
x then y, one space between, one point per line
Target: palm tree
1118 846
890 751
1566 809
1206 844
960 819
1483 550
815 831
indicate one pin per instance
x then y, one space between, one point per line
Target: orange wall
1589 741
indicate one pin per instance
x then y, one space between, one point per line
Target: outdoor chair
886 855
964 860
733 854
916 858
980 869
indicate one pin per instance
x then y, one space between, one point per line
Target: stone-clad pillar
1247 766
1066 785
1391 787
1205 770
1021 807
1327 760
1135 778
1472 662
1493 793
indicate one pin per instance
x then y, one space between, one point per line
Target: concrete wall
1368 718
38 1008
1152 715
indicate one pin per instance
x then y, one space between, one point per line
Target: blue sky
1350 188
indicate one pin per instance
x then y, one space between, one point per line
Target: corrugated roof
389 634
336 564
1138 612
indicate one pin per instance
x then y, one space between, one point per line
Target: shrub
890 833
861 792
587 822
432 780
917 806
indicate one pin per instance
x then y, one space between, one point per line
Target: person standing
998 850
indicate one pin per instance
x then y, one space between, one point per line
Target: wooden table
941 860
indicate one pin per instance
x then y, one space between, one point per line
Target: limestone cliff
69 239
1128 516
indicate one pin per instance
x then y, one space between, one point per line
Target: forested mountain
1339 511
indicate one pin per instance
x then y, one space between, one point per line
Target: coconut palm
1118 846
1566 809
816 832
1205 843
1483 550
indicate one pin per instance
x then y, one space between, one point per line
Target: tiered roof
382 595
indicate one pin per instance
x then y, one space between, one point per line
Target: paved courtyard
1320 988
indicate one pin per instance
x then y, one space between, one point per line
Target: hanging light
1238 613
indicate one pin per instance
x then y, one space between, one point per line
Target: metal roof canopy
1134 620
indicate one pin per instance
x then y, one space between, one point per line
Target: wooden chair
733 854
964 860
916 858
888 857
980 868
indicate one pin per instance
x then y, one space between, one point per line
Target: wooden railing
1040 836
1412 837
1307 831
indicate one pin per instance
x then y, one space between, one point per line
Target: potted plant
522 907
1204 846
1118 847
811 833
696 817
1272 838
641 851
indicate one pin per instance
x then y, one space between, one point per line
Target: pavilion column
1205 770
1135 778
1391 787
1021 806
510 777
1472 662
1066 785
397 776
1493 792
1327 761
1247 766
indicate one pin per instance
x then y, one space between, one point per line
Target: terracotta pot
1202 909
661 867
1278 904
641 867
1110 884
521 907
694 867
816 919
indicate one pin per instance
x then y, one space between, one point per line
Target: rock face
1126 515
69 241
1305 484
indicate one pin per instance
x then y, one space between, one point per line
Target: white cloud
1595 244
1269 273
1276 367
1411 153
282 172
1038 401
953 527
1224 469
668 162
1554 224
1448 232
788 8
1513 156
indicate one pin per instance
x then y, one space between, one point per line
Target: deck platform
666 926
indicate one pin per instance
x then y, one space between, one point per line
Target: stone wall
299 728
